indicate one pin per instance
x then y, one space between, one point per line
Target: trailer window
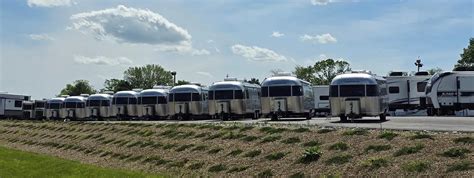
148 100
133 101
27 107
182 97
39 104
162 100
224 94
280 91
239 94
334 91
120 100
70 105
54 106
372 90
420 86
93 103
352 90
18 103
297 91
170 97
323 97
81 105
264 91
211 95
393 90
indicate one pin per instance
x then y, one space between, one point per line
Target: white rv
40 109
153 103
74 108
11 105
28 110
321 100
124 105
407 92
98 106
54 108
449 92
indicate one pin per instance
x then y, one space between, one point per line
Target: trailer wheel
308 116
274 117
383 117
343 118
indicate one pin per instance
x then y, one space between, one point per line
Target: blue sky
46 44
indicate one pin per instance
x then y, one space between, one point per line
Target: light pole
418 64
173 73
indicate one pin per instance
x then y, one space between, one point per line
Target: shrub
265 174
217 168
409 150
377 148
301 130
388 135
252 154
311 154
465 140
460 166
275 156
339 159
311 143
341 146
195 166
375 163
235 152
271 138
291 140
249 138
214 151
456 152
416 166
357 131
420 135
238 169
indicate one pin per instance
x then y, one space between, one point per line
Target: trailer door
466 90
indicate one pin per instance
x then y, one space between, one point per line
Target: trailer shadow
362 121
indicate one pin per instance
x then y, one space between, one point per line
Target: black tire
343 118
308 116
429 112
383 117
274 117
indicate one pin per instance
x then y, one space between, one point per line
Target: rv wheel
383 117
343 118
308 117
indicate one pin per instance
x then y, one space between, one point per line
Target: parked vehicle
449 92
28 110
284 95
54 108
188 102
407 92
234 99
358 94
74 108
40 109
153 104
321 100
98 106
124 105
11 105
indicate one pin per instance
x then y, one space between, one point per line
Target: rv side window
182 97
280 91
297 91
161 100
27 107
105 103
121 100
420 86
133 101
18 103
352 90
372 90
264 91
54 106
334 91
149 100
196 97
80 105
39 104
170 97
393 90
323 97
93 103
70 105
224 94
211 95
239 94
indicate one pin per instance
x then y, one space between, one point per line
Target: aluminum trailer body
74 108
98 106
54 109
124 105
321 100
188 102
153 104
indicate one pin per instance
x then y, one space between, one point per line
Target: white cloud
182 49
256 53
277 34
40 37
323 39
102 60
207 74
321 2
49 3
130 25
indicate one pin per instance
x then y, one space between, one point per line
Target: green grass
271 138
275 156
311 143
357 131
464 140
460 166
409 150
238 169
235 152
377 148
311 154
291 140
14 163
265 174
217 168
456 152
388 135
421 135
338 159
341 146
323 131
272 130
252 154
416 166
375 163
214 150
249 138
195 166
301 130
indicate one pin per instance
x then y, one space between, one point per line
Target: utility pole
173 73
418 63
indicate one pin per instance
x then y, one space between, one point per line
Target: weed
238 169
271 138
147 143
214 151
460 166
358 131
339 159
416 166
252 154
291 140
311 154
231 136
297 175
456 152
195 166
409 150
169 146
217 135
465 140
265 174
377 148
420 135
246 128
301 130
146 133
184 147
179 164
235 152
104 154
134 144
249 138
233 127
217 168
311 143
388 135
341 146
375 163
275 156
156 160
272 130
200 148
204 134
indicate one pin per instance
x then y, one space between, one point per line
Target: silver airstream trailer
74 108
28 109
358 94
284 95
124 105
232 98
54 108
153 103
40 109
188 102
98 106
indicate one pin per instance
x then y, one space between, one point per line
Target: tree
77 88
148 76
434 70
253 81
322 72
467 57
116 85
182 82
